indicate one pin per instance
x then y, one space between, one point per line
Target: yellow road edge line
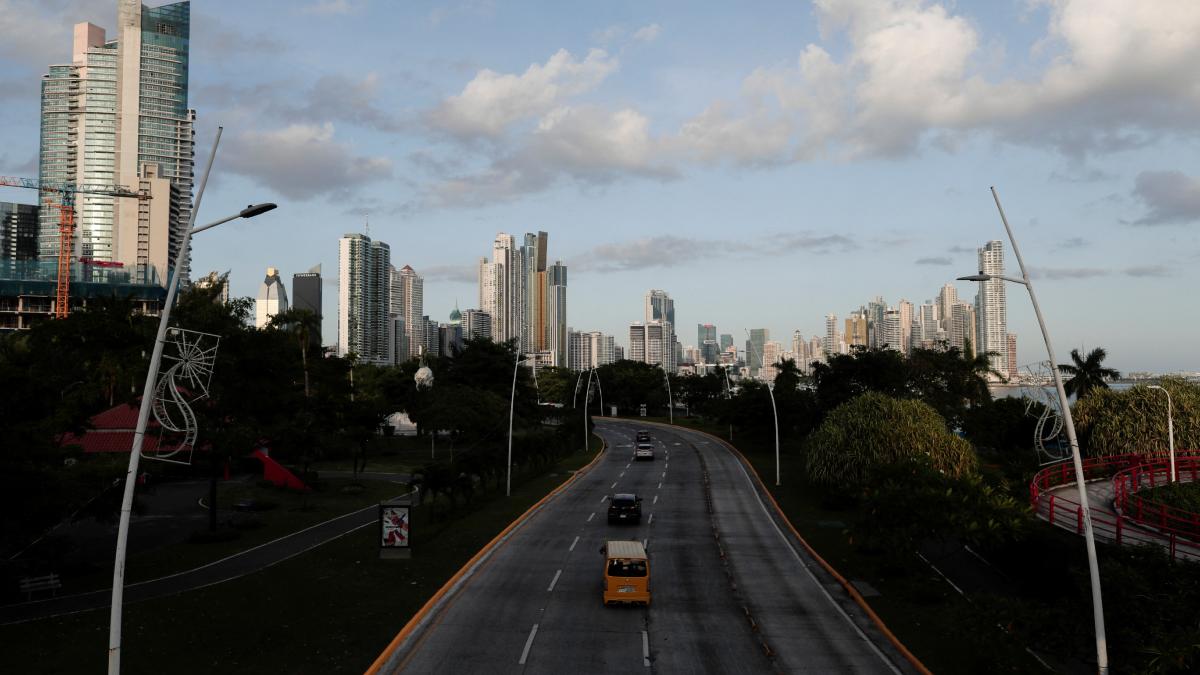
417 618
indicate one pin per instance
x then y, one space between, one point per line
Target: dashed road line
591 516
655 500
605 497
660 484
645 543
572 547
622 475
651 519
528 644
645 649
554 580
612 486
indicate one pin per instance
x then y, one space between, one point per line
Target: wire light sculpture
1048 440
181 384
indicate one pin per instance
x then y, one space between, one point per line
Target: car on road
624 507
626 573
643 435
644 451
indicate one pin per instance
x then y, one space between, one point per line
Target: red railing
1063 509
1156 472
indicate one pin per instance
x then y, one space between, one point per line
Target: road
754 602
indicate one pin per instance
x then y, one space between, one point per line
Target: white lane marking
572 548
651 519
660 484
664 474
678 443
604 497
622 475
627 465
645 649
655 500
612 486
591 516
795 554
554 580
528 644
645 543
667 465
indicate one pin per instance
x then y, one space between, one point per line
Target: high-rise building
946 299
905 308
408 303
706 343
579 350
364 299
857 333
1010 351
212 279
272 299
927 326
875 311
118 115
648 343
833 340
18 231
660 308
754 350
476 324
308 294
890 334
553 311
962 327
772 356
726 341
991 309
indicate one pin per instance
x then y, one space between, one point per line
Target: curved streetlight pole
670 398
575 396
601 390
728 397
1069 423
774 410
139 435
512 403
1170 429
587 396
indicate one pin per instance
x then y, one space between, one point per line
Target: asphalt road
731 593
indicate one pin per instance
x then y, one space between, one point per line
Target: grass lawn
942 629
396 454
331 610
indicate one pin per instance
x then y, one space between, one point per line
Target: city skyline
724 179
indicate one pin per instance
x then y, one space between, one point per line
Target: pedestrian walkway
1060 506
227 569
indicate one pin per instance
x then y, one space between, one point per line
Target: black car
625 508
643 436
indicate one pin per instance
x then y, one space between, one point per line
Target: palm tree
303 324
1087 374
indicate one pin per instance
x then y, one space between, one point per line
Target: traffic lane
489 621
803 614
696 624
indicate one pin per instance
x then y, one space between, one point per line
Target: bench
47 582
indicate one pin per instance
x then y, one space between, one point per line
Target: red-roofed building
112 431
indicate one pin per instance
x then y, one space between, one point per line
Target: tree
302 323
1087 373
873 431
1113 422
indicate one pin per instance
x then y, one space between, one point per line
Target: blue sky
766 164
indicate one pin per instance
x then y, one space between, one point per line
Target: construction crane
66 224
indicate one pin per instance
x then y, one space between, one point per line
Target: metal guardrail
1137 521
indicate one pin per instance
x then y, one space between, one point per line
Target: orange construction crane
66 224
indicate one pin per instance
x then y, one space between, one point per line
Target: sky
765 163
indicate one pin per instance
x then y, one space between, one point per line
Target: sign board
642 410
395 533
613 410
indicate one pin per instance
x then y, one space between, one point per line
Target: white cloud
302 161
328 7
648 33
492 101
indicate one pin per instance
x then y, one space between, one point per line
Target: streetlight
774 410
1170 428
512 403
1089 539
670 398
139 435
728 397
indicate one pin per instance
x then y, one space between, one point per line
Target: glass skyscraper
119 105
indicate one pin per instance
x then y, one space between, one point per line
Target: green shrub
874 431
1135 420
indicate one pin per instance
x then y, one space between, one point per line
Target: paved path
226 569
1105 518
533 604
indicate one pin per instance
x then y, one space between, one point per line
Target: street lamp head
976 277
256 210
